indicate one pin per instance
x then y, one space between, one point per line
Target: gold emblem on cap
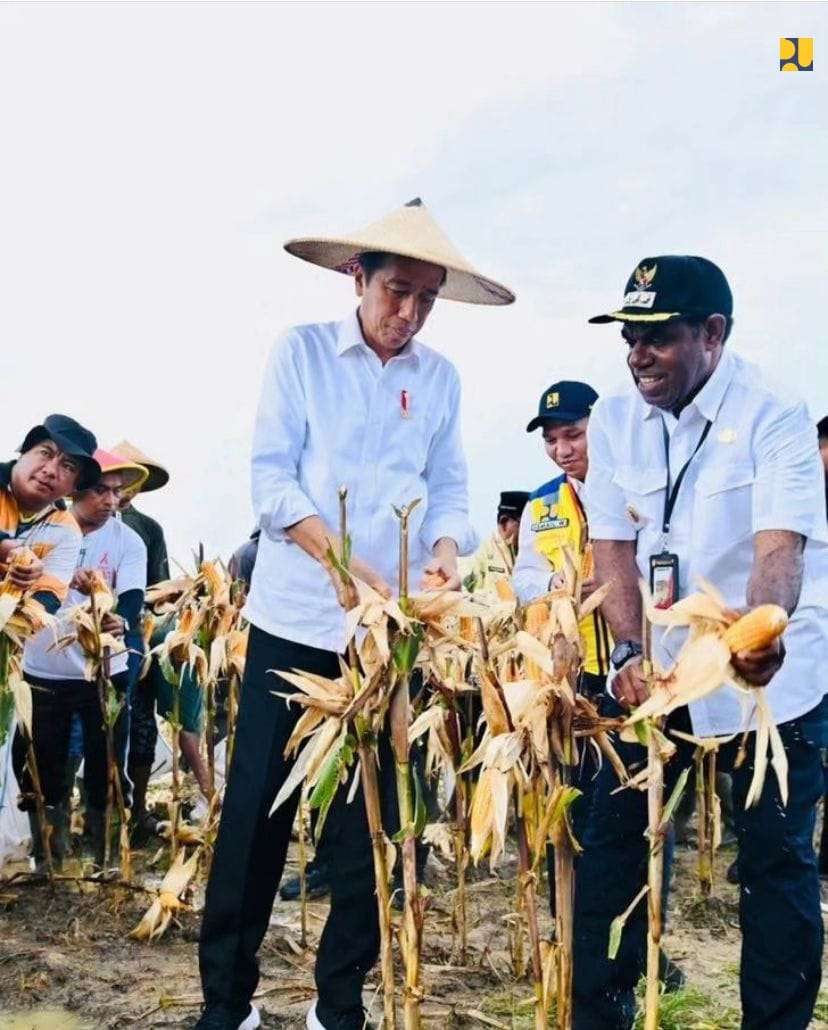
644 276
553 400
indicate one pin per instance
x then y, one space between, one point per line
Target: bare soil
66 962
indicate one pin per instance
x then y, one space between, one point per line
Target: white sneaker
343 1021
253 1021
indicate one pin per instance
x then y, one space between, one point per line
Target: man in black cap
56 459
495 558
700 470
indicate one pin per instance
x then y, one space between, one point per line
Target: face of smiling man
671 362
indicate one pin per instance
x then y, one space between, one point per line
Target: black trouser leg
351 939
52 706
779 908
251 845
611 870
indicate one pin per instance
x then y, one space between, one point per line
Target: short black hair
697 321
373 260
822 428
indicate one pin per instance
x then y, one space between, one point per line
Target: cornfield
490 694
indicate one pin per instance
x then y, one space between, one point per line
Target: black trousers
252 845
584 776
779 902
53 704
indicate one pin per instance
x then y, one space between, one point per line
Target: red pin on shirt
405 403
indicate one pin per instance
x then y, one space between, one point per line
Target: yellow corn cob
10 592
537 615
759 628
468 629
504 590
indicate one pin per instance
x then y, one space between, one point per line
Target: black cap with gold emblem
673 286
566 401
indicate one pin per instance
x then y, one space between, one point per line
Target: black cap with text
673 286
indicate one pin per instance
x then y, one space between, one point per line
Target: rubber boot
144 825
95 829
58 837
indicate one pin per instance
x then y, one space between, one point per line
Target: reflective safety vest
558 520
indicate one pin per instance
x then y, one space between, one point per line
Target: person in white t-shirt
58 676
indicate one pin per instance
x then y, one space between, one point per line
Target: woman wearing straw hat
362 403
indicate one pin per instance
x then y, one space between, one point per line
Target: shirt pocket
643 490
723 506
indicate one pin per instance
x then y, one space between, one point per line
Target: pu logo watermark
796 54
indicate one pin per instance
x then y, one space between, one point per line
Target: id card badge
664 579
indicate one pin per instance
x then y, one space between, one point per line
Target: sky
156 156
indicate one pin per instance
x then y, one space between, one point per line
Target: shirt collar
709 399
349 336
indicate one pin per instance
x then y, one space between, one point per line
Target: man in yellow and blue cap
554 519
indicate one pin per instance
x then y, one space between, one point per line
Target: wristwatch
623 651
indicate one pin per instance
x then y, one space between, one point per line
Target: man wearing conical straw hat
360 403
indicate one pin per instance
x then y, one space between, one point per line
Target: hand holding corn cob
755 642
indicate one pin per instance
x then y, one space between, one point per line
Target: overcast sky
156 156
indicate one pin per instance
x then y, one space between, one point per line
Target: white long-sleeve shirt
758 469
330 415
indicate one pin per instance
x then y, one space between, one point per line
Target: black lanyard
671 495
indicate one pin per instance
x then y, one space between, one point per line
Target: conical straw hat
411 232
158 475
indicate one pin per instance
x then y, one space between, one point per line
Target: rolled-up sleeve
532 574
447 514
789 487
603 498
59 559
278 438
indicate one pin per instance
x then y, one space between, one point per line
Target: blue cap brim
559 416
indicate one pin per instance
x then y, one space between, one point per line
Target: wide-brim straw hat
410 232
157 474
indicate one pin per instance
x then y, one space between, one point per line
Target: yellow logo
553 400
644 276
796 54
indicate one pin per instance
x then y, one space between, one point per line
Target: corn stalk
303 866
8 668
110 708
175 786
655 861
366 749
400 718
232 716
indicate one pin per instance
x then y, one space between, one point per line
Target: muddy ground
66 962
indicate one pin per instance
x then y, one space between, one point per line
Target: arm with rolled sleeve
278 438
603 499
59 565
447 515
614 538
130 584
789 491
531 575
